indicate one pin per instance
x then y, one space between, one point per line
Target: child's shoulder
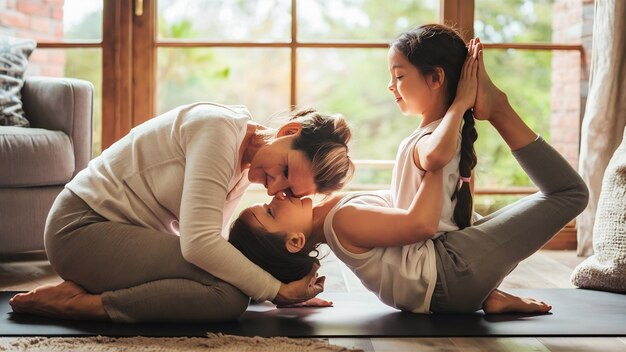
377 198
420 132
430 127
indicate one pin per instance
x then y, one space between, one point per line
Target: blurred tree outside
362 20
255 77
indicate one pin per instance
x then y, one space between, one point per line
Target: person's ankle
501 107
87 306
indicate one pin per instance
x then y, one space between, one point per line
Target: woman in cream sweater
138 235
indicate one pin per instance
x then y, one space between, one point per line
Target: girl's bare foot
500 302
489 97
66 300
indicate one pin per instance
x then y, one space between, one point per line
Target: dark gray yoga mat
575 312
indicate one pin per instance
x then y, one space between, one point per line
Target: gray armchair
36 162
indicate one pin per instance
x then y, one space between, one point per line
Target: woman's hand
301 290
468 83
313 302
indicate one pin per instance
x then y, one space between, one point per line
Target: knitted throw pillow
606 268
14 53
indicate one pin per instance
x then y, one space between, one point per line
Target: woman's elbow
189 254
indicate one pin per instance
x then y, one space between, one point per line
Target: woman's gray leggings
473 262
140 272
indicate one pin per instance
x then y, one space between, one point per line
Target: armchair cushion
62 104
14 53
36 162
35 157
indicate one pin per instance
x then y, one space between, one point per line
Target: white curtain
605 113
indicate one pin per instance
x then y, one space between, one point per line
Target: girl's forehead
397 57
249 218
393 52
246 215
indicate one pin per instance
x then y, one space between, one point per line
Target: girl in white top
425 66
459 271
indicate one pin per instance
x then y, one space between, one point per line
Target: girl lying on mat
399 254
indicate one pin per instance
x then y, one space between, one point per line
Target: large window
147 56
274 54
332 56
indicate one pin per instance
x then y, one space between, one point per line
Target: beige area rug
214 343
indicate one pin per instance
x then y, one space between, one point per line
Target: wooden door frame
458 14
116 71
144 63
128 81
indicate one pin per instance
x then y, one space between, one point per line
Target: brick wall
41 20
572 23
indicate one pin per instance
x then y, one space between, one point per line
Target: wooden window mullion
460 15
144 63
116 71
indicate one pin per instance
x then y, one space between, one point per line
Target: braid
463 195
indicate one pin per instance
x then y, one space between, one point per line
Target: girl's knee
582 196
577 198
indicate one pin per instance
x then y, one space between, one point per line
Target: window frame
129 46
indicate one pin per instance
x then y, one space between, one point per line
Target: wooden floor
545 269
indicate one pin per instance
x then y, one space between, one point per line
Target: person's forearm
441 145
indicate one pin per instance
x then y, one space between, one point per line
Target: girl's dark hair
268 251
428 47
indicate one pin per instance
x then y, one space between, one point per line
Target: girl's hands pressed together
468 82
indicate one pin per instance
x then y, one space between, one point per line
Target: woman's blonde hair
324 140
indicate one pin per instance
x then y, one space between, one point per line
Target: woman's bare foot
66 300
500 302
489 97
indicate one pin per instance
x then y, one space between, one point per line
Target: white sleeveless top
407 177
402 277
